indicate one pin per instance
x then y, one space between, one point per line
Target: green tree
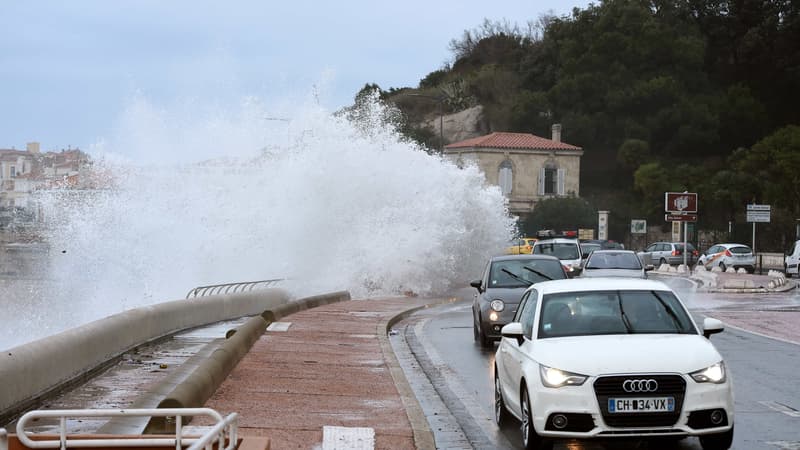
566 213
775 162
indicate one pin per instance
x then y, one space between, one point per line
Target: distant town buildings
22 172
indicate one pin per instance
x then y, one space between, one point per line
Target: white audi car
611 358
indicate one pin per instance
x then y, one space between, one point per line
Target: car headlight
712 374
555 378
497 305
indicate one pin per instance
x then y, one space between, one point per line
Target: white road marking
347 438
781 408
279 326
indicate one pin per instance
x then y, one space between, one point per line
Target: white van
792 260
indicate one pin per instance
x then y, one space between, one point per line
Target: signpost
638 226
681 207
757 213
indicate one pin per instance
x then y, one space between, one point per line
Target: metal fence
232 288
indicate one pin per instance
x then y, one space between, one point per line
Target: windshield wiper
624 316
669 310
537 273
517 277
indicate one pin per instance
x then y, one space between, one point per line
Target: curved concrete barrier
35 369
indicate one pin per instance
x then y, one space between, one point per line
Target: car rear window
561 250
740 250
613 260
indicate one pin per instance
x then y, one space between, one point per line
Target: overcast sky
68 68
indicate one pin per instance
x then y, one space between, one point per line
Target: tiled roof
525 141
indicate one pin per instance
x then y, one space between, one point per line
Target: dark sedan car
504 281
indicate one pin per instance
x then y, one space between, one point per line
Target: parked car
729 255
611 358
566 250
504 281
614 263
791 262
520 246
670 253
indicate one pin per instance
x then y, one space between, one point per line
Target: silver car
614 263
504 281
671 253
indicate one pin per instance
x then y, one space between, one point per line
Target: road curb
423 435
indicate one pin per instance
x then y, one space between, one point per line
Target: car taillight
695 253
728 253
676 252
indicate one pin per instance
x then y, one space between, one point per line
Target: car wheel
718 441
661 262
530 438
501 415
722 266
481 337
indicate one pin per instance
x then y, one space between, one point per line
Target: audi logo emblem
650 385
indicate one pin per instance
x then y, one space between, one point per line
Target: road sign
680 202
758 213
638 226
680 217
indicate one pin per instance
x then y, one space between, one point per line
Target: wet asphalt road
765 373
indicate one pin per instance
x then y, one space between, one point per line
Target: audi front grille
612 387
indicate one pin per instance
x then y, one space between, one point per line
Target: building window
551 180
13 170
505 177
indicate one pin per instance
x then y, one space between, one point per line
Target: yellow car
520 246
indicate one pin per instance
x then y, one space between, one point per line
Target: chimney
32 147
556 132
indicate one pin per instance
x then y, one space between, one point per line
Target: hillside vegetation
673 95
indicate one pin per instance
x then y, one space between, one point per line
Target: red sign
680 203
680 217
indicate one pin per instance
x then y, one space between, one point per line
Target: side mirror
513 330
712 326
476 284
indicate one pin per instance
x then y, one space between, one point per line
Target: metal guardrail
224 433
231 288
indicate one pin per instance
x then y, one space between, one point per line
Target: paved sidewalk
333 366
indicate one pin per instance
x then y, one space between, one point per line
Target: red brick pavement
327 369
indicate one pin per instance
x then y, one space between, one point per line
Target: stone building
526 167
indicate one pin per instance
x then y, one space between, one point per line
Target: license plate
641 404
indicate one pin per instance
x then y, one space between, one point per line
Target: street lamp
440 99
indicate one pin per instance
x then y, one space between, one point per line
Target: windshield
613 260
612 312
527 271
561 250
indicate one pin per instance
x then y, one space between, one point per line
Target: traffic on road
744 367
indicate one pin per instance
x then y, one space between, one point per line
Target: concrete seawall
32 370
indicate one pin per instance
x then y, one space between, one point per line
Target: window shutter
541 181
505 180
561 181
